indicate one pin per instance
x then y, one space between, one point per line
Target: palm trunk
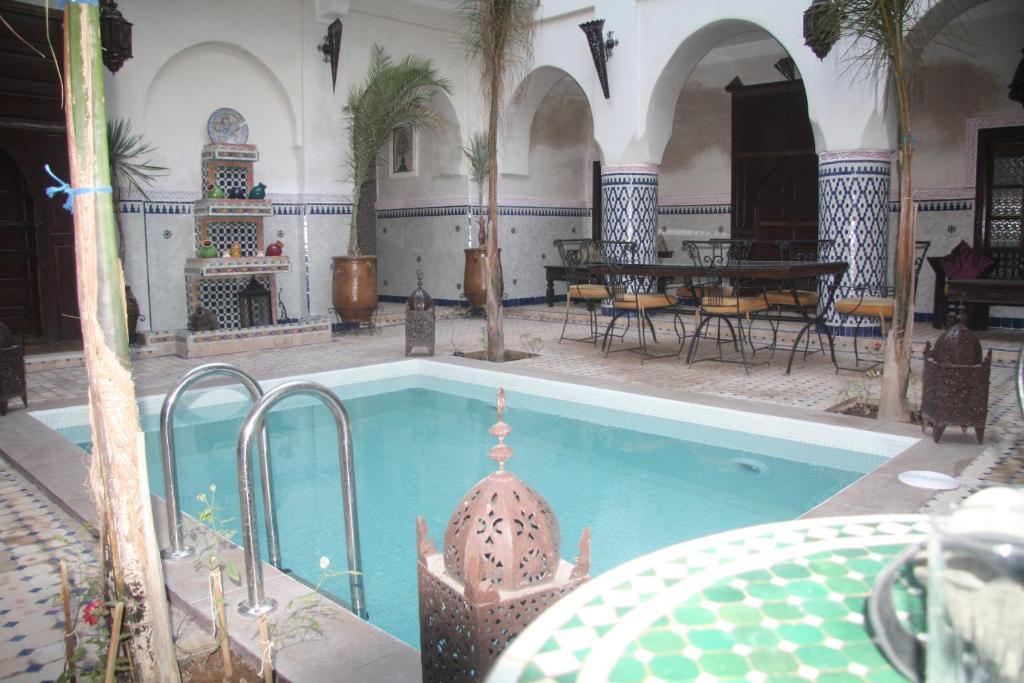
118 475
896 371
492 267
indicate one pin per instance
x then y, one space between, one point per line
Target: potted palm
474 283
499 37
395 93
130 169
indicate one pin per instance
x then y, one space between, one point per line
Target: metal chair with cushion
875 302
722 300
803 295
12 370
636 296
576 256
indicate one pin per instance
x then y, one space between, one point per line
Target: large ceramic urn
474 280
354 287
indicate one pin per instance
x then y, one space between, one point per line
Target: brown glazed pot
474 284
354 287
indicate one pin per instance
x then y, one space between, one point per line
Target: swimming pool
645 473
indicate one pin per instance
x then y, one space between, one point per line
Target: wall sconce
1017 84
115 36
787 67
815 36
600 49
330 49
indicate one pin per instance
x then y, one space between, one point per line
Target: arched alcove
202 78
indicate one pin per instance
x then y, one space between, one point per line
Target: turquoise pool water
640 482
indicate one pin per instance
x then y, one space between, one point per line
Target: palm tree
880 35
394 94
476 155
128 168
499 35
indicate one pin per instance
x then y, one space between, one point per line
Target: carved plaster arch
272 79
676 72
514 144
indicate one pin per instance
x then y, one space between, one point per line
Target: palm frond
476 154
498 34
129 163
394 94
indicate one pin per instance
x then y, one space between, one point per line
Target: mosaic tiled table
779 602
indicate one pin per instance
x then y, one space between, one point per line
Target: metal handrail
256 602
178 550
1020 380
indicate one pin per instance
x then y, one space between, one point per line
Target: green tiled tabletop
779 602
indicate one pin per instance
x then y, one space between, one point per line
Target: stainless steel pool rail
257 603
178 549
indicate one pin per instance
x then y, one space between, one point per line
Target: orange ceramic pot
354 287
474 282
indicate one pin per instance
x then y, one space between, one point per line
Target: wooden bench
1004 286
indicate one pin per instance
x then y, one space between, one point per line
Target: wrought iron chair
576 256
632 295
723 300
874 302
803 295
12 370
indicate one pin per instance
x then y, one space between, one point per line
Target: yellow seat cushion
685 292
646 301
736 304
871 306
588 292
785 298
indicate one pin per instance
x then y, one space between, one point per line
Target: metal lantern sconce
330 49
1017 84
115 36
254 305
600 49
814 38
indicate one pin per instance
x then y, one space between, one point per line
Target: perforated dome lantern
498 571
419 318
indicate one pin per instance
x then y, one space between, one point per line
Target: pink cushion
966 263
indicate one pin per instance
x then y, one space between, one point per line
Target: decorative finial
500 453
419 277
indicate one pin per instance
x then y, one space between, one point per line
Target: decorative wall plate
227 125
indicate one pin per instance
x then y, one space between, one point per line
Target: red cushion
966 263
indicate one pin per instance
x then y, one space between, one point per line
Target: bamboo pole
118 466
266 654
217 591
115 642
69 633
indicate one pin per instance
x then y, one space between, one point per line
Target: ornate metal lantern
115 36
1016 86
330 48
419 318
254 305
600 50
499 571
955 385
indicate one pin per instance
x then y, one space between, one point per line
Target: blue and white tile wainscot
853 209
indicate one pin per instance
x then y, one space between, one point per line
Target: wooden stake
217 594
69 635
115 641
266 655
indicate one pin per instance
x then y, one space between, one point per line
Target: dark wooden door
19 285
774 166
31 136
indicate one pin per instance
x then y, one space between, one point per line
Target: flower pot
207 250
354 287
474 281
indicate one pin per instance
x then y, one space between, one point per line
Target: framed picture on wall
403 150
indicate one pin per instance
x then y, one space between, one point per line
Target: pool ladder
256 601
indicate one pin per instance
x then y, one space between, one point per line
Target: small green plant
860 392
208 546
532 342
305 612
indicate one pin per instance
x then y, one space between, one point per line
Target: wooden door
31 136
19 285
774 166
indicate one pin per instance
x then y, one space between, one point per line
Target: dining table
783 601
787 275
